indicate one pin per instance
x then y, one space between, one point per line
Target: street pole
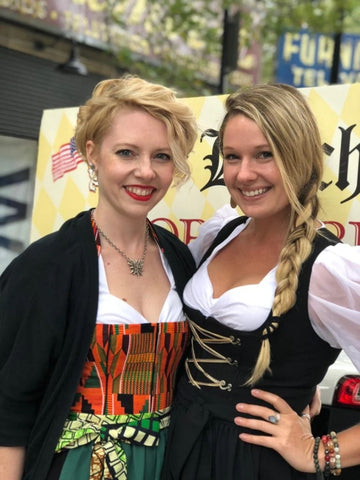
230 45
334 72
335 67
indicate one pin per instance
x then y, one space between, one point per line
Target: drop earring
93 182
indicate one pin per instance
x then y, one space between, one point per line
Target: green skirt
111 447
143 462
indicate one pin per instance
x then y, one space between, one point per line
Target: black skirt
203 444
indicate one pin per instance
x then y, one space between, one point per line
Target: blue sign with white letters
304 59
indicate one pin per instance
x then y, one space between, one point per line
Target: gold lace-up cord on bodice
205 338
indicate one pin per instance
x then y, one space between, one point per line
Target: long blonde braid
282 114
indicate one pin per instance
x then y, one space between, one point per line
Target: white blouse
114 310
334 292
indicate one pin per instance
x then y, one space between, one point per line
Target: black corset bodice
221 359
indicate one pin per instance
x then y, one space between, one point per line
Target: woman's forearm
12 462
349 446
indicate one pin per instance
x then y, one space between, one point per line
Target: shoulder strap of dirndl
222 234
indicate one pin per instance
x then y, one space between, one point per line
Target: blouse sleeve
209 230
334 298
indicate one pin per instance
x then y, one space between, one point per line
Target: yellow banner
61 187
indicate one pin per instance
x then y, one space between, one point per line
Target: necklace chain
136 266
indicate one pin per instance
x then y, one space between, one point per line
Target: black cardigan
48 307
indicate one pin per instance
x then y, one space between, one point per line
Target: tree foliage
180 41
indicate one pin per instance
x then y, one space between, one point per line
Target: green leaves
179 42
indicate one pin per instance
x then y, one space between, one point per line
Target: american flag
65 160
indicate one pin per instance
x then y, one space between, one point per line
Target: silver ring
306 415
274 418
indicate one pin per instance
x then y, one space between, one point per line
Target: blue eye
265 155
124 152
231 156
163 156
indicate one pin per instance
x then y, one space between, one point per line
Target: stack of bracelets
332 456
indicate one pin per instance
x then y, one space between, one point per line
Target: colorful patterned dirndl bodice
130 368
124 395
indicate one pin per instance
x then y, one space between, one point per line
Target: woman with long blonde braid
255 304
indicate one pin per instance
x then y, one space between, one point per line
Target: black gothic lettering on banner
216 170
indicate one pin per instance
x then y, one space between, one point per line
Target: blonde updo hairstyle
284 117
109 96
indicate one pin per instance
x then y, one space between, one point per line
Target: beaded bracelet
318 471
336 464
332 455
328 453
